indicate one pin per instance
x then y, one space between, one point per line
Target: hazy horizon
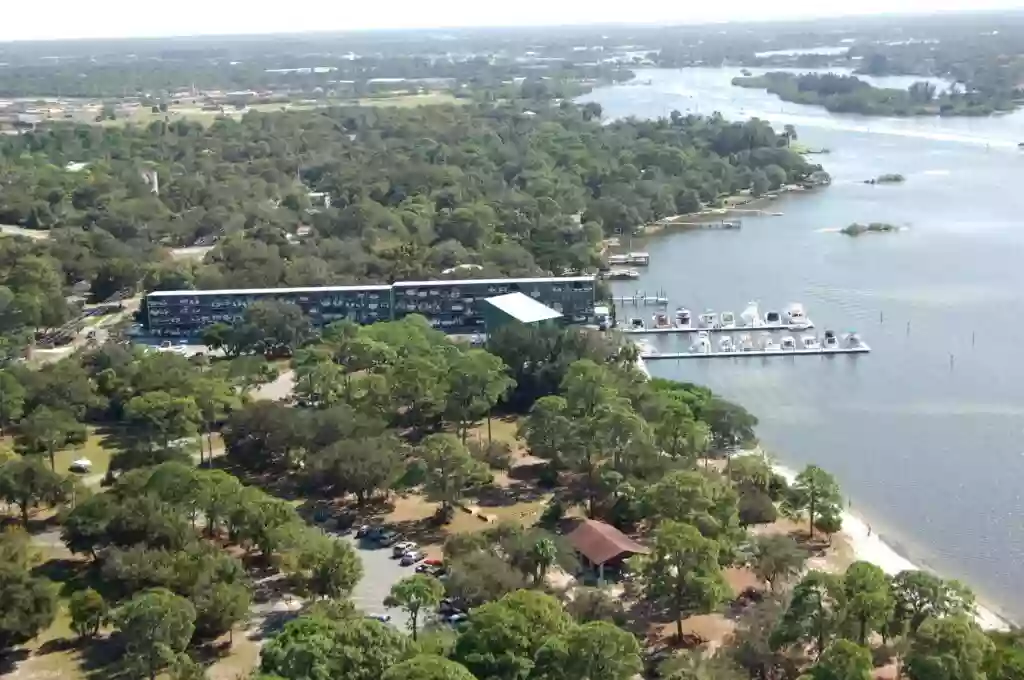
68 20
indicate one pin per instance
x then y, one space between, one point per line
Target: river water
926 433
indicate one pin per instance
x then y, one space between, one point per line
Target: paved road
380 572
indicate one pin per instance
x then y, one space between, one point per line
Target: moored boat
831 341
810 342
727 320
683 318
788 343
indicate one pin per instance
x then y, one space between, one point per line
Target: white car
402 548
412 557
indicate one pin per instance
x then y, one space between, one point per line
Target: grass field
144 116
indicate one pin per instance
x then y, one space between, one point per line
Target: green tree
427 667
360 466
775 559
28 483
335 569
731 425
502 638
867 599
47 431
160 418
815 492
814 613
219 606
450 469
920 595
478 380
12 400
600 650
318 649
697 498
679 434
29 602
843 660
951 648
156 626
413 595
88 611
215 398
683 571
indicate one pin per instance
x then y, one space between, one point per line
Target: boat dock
641 298
652 356
638 259
730 329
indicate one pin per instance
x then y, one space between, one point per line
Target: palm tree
789 132
543 554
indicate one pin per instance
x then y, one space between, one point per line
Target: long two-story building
453 306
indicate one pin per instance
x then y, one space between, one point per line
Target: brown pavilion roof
600 542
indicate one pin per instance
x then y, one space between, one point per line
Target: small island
892 178
856 229
850 94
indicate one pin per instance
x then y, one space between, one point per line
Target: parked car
387 537
410 558
383 618
456 618
402 548
364 531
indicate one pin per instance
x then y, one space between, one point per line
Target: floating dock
638 258
652 356
731 329
641 300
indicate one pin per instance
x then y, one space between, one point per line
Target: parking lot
380 572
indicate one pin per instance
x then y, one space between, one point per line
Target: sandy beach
869 546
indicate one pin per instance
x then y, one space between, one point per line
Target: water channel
925 434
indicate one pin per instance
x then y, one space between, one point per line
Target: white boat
831 341
810 342
788 343
769 344
702 346
727 320
637 324
796 317
853 340
683 319
725 344
747 343
708 319
661 320
751 316
772 319
620 274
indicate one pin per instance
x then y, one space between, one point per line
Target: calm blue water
926 434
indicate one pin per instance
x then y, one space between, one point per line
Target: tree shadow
72 575
99 658
10 659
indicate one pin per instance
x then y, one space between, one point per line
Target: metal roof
495 282
523 308
600 542
271 291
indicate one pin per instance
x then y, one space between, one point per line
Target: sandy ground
861 543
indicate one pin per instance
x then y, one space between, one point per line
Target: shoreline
870 546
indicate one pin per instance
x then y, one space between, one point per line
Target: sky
70 19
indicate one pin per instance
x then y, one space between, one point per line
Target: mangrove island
850 94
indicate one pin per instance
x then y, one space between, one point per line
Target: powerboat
727 320
751 317
747 343
831 341
702 345
708 320
683 319
661 320
796 317
853 340
769 344
810 342
622 274
788 343
637 324
772 319
725 344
